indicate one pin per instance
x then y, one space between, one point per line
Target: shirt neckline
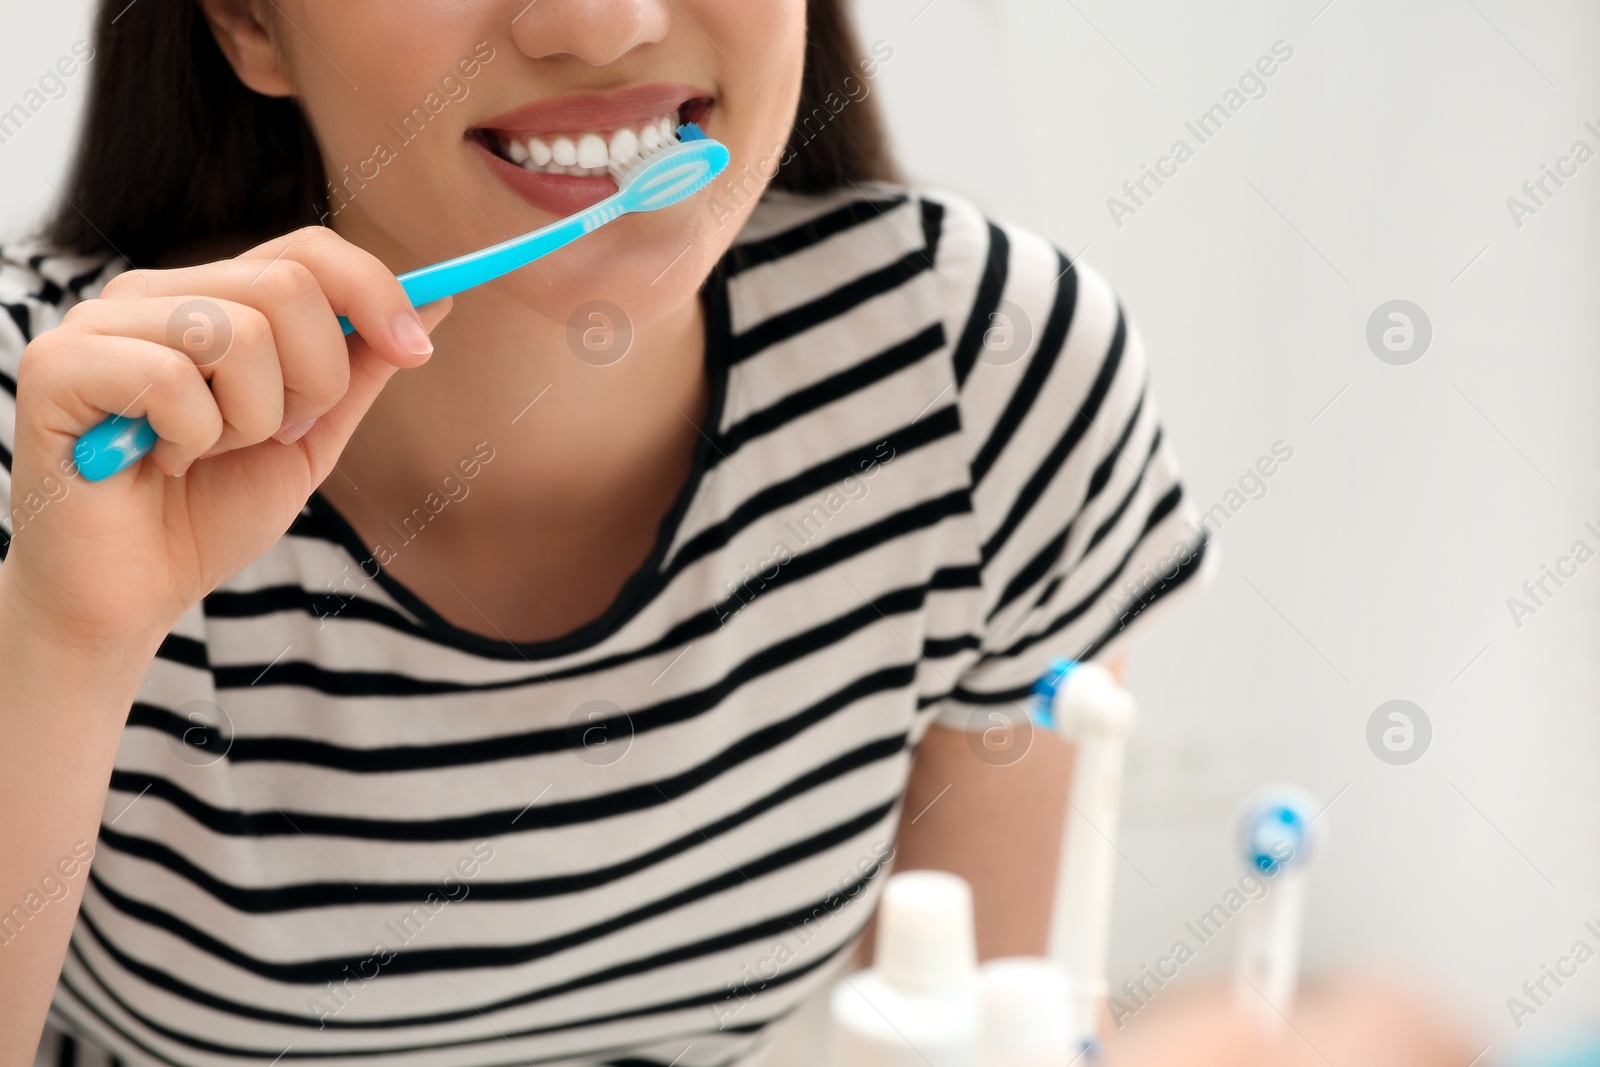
640 587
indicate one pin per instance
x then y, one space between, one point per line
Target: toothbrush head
672 172
1042 709
1276 831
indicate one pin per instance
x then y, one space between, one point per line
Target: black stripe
945 647
1057 457
759 932
187 651
254 603
830 305
1105 528
22 315
277 822
1051 340
932 229
1162 508
410 961
916 517
743 257
936 427
1149 596
325 607
337 893
1049 554
267 600
990 286
77 282
855 378
1128 498
791 974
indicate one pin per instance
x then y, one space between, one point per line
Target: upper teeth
590 154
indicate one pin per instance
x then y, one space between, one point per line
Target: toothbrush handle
427 284
119 442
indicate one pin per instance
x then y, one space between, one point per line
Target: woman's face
424 108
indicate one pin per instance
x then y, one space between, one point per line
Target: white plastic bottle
918 1005
1027 1014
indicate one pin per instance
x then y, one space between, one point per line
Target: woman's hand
243 372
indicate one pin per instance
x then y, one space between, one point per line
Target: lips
559 154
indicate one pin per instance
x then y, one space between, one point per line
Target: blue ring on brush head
1277 820
1042 709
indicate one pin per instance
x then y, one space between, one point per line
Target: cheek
378 76
759 57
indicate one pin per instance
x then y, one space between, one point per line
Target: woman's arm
998 827
96 580
62 711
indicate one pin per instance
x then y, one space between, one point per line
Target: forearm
62 711
998 825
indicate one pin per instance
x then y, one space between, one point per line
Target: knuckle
251 329
286 280
254 417
376 277
81 313
128 283
172 373
312 232
39 354
324 388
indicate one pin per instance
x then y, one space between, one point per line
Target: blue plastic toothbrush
663 178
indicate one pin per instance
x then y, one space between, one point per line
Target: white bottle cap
925 937
1027 1004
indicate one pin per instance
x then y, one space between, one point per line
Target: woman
558 699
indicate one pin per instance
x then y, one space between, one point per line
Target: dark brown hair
176 152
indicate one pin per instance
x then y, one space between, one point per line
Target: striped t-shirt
343 830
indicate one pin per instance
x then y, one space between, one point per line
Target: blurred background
1383 160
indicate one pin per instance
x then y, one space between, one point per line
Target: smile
589 153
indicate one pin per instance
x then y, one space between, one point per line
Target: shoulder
1001 291
1025 317
1031 337
38 284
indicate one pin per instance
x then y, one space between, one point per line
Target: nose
596 31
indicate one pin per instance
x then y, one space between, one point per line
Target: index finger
359 287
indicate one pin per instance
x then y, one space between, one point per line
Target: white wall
1377 166
32 37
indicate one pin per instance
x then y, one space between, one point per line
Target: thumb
369 373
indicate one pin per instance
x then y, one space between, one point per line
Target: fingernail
181 471
290 432
409 332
